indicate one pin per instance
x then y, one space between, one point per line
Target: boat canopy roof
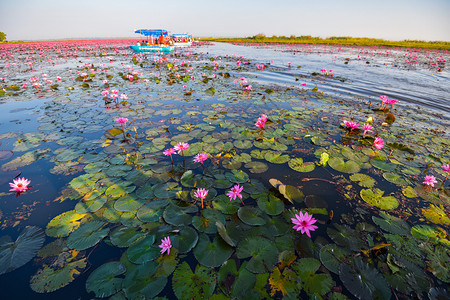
153 32
181 36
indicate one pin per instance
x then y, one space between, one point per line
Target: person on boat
161 40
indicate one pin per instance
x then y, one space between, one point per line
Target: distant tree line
2 36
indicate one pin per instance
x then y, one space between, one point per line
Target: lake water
107 196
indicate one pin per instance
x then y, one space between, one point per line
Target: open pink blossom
121 120
201 194
20 185
430 180
446 168
379 143
201 157
304 223
235 192
165 245
261 122
169 151
351 125
180 147
367 128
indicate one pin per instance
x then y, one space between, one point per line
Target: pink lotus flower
367 128
235 192
304 223
121 120
261 121
180 147
165 245
430 180
169 152
201 194
248 88
124 97
105 93
379 143
105 81
351 125
446 168
20 185
201 157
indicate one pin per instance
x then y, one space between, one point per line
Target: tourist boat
182 40
152 42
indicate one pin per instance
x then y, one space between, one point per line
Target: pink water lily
351 125
304 223
430 180
121 120
367 128
165 245
20 185
378 143
169 152
201 194
235 192
261 121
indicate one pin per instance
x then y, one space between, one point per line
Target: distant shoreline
345 41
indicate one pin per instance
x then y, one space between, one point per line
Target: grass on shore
335 40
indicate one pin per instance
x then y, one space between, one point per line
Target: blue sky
394 19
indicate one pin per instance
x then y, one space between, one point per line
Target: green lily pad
223 234
141 250
276 157
185 240
141 282
291 193
64 224
103 281
251 216
212 254
245 144
270 204
340 165
223 204
256 167
263 253
363 281
47 280
175 216
166 190
331 256
237 176
188 285
125 236
375 198
392 224
395 178
13 255
382 165
128 203
436 214
152 211
120 189
363 180
83 207
409 192
207 222
87 235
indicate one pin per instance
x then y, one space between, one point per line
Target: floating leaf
436 214
363 281
5 154
263 253
375 198
141 281
237 176
363 180
185 240
223 234
340 165
64 224
141 250
331 256
152 211
256 167
175 216
276 157
87 235
270 204
188 285
125 236
391 224
103 281
212 254
47 280
13 255
409 192
382 165
251 216
395 178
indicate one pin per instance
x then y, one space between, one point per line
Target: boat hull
186 44
152 48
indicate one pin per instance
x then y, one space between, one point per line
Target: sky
76 19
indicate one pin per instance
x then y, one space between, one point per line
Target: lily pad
436 214
141 282
47 280
363 180
103 281
175 216
276 157
185 240
141 251
256 167
375 198
363 281
251 216
331 256
125 236
340 165
188 285
395 178
212 254
392 224
263 253
87 235
237 176
13 255
223 234
64 224
152 211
